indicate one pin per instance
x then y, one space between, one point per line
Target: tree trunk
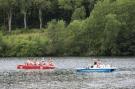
9 20
25 21
40 17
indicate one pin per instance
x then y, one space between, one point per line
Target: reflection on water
65 76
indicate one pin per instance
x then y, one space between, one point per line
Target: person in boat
29 62
50 62
34 62
37 62
43 62
100 64
96 64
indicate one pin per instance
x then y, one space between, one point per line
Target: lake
65 75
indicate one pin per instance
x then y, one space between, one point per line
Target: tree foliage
79 14
69 28
108 21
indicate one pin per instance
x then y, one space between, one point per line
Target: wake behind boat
97 67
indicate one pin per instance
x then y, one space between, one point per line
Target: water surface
65 75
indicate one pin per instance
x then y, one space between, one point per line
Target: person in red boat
33 62
43 62
37 62
50 62
29 62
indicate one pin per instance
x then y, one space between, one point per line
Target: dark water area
65 75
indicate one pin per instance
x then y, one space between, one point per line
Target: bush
31 44
56 35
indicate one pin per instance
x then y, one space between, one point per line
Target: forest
34 28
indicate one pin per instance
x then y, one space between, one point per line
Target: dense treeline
67 28
36 13
112 28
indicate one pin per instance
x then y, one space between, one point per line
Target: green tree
74 42
79 14
24 6
110 34
106 24
8 5
42 5
56 35
89 5
70 4
2 45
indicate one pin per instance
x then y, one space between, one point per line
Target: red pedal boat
25 66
